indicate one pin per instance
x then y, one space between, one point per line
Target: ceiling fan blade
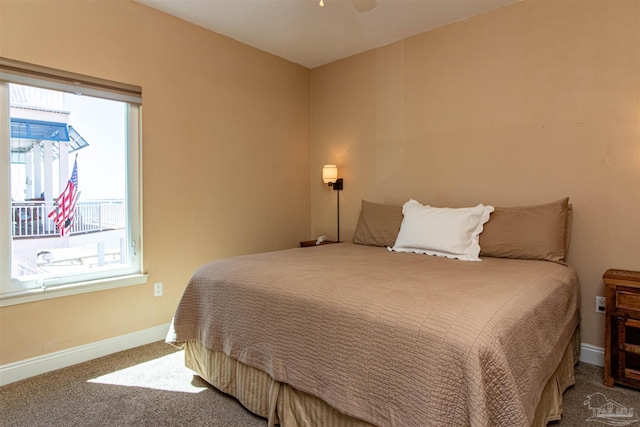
362 6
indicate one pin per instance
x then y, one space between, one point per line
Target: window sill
31 295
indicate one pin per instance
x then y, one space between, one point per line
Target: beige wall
523 105
226 154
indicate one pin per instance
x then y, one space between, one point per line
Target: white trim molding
31 295
20 370
592 354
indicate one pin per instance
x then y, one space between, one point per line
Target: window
70 163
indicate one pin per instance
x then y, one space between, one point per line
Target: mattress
392 339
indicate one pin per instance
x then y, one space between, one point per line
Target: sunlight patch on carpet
164 373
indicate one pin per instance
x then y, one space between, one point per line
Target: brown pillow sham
528 232
378 224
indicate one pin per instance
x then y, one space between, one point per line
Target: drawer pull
630 348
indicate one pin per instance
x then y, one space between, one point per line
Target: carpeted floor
149 386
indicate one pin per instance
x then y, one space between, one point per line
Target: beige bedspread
395 339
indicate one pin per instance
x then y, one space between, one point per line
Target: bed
357 335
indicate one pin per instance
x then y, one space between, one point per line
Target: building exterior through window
43 147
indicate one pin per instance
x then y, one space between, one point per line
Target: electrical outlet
601 304
157 289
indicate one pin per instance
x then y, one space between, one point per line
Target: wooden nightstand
622 333
308 243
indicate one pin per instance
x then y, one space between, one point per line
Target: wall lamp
330 177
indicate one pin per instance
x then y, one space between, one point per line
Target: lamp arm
338 185
338 216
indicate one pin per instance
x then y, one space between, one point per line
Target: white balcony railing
30 218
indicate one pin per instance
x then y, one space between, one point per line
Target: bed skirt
284 405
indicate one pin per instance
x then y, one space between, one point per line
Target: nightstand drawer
627 300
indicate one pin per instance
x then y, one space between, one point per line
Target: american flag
62 215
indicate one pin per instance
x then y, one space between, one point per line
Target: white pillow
448 232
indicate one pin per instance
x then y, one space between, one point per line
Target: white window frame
33 75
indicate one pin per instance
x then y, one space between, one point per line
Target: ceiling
303 32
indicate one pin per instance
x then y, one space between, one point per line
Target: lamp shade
329 173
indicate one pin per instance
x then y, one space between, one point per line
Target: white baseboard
592 354
20 370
